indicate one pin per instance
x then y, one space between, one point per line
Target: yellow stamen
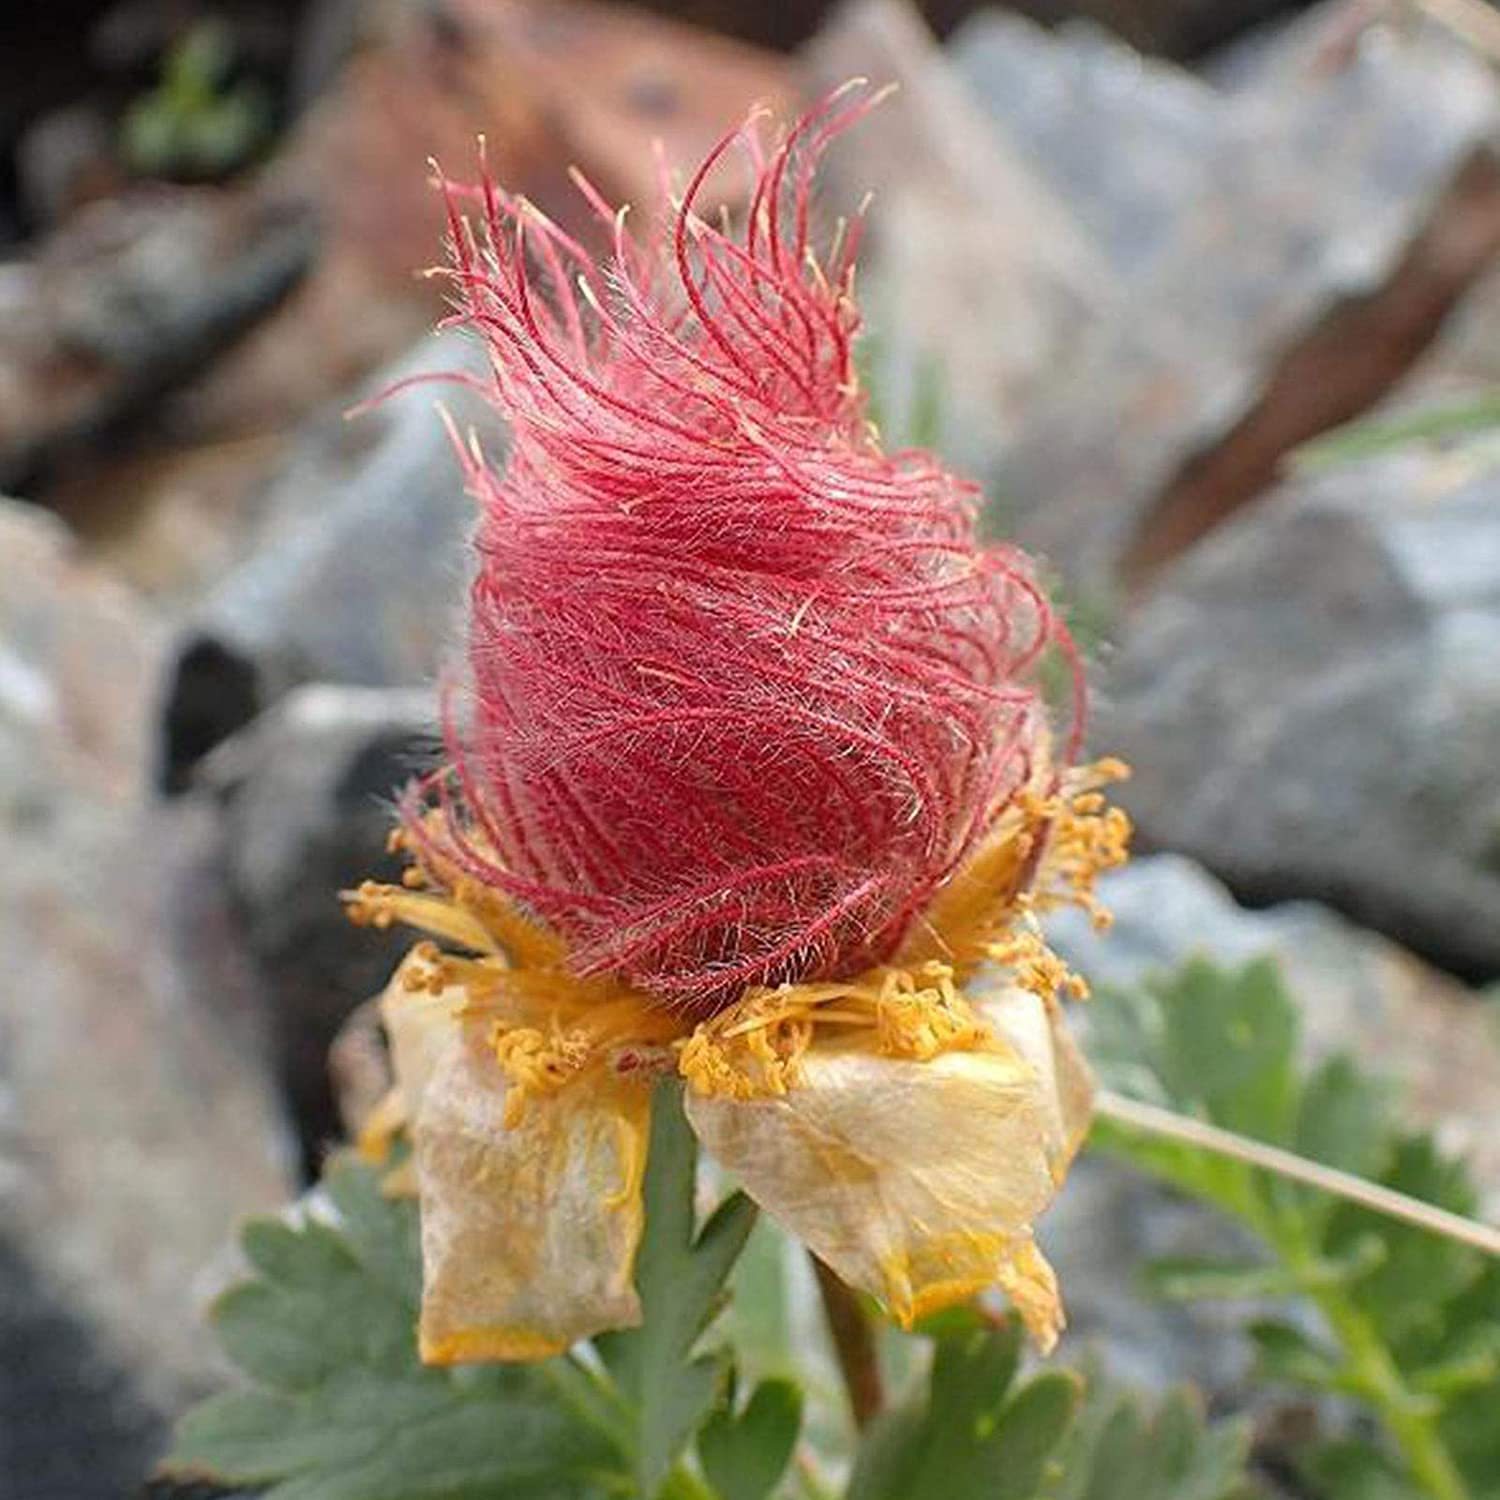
382 906
548 1027
1087 838
754 1049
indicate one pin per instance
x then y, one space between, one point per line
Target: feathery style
743 692
751 783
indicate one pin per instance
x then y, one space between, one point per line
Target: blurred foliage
340 1407
1398 1321
1471 417
198 122
1400 1328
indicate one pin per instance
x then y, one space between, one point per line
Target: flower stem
682 1484
854 1345
1370 1368
1410 1419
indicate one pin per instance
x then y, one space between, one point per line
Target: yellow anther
536 1063
754 1050
1047 848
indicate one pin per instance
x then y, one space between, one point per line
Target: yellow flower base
908 1123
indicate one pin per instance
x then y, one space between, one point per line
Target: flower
753 784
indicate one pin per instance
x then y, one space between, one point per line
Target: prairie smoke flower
752 776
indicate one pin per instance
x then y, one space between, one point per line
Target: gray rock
976 279
1348 200
1312 703
54 1365
137 1118
305 799
1123 140
357 569
1108 1223
128 299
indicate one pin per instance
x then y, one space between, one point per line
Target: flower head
742 690
753 785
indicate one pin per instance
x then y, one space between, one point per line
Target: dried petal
918 1181
529 1229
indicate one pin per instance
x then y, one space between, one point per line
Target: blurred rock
74 1424
976 278
1462 363
1108 1223
616 80
130 298
356 571
1179 28
172 519
1124 141
549 84
1176 28
1348 201
137 1119
305 798
1312 702
65 159
77 657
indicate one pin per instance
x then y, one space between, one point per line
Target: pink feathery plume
742 690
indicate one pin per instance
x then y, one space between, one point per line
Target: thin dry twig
1383 1200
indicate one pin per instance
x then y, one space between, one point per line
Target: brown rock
550 84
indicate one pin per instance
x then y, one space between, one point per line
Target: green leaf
385 1238
1355 1471
1191 1279
745 1455
1117 1448
968 1437
1231 1046
1342 1119
680 1277
1286 1353
358 1438
1410 1320
343 1409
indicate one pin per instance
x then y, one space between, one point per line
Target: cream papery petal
918 1181
420 1026
529 1230
1040 1034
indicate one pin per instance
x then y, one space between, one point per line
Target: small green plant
1403 1324
1457 420
196 123
339 1406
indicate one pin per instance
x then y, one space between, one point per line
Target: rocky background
1123 268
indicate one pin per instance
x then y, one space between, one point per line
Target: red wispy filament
742 691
